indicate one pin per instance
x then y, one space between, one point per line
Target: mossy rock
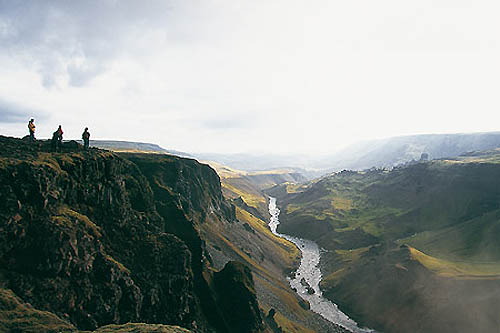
17 316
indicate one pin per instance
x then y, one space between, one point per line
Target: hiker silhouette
86 138
57 138
31 128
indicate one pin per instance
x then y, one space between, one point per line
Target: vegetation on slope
17 316
246 187
270 258
407 247
142 328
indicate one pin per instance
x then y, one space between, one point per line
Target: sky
270 76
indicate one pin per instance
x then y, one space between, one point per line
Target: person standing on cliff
86 138
57 138
31 128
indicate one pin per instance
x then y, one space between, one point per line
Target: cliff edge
98 238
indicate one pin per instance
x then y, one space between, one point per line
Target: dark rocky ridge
100 238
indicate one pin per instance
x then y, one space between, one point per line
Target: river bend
308 276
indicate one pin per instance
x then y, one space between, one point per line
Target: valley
249 166
271 258
97 238
157 239
306 279
414 248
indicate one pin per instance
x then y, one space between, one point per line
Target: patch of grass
295 188
286 251
472 240
290 326
346 259
139 327
6 161
251 198
341 203
17 316
224 171
120 266
464 270
47 160
286 296
354 254
255 267
68 218
489 156
335 276
67 159
290 209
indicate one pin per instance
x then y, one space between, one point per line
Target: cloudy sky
249 75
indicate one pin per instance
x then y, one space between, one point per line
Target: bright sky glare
249 75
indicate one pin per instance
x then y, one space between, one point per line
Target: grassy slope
143 328
17 316
271 258
447 211
249 185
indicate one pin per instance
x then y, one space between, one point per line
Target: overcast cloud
233 75
10 113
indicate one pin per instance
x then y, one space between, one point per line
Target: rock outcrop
98 238
236 293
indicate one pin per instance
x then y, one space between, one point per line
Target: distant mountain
363 155
256 162
399 150
122 146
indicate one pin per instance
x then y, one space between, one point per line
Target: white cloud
220 75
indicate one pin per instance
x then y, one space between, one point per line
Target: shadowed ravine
308 276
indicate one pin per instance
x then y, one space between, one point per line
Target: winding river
308 276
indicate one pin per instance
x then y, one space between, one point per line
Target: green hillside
399 240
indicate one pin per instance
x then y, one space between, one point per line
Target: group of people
57 136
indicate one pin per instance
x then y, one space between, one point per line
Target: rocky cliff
98 238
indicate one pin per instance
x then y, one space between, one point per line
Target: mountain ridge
388 152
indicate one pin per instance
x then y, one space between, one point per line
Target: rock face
98 239
235 287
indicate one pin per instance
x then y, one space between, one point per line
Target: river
308 276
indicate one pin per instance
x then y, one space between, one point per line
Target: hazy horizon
270 153
309 77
